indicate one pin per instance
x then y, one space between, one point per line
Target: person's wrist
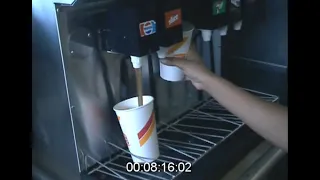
206 79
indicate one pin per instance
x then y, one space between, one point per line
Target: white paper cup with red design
179 50
138 125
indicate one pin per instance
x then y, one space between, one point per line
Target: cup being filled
138 125
180 50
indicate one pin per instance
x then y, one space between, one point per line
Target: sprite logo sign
218 7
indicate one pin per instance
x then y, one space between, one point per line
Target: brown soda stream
139 85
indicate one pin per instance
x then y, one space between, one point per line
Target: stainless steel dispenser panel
72 113
54 145
93 95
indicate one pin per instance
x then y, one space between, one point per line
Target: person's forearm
270 120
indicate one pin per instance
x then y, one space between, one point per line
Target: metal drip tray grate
187 139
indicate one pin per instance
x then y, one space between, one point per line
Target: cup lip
188 26
132 109
170 66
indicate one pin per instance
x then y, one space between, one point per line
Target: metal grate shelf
188 138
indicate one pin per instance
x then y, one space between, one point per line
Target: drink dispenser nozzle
136 61
169 22
138 28
130 29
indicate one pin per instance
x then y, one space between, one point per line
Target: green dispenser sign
219 7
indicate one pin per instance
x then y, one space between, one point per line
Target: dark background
257 56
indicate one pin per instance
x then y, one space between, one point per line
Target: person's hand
192 66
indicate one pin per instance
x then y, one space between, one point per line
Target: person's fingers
167 62
174 62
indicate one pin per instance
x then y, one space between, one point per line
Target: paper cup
171 73
181 49
138 125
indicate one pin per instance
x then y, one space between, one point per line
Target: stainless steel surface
67 2
40 174
76 3
199 43
72 92
186 139
54 145
206 54
174 98
244 164
255 75
260 62
257 164
264 165
216 44
92 101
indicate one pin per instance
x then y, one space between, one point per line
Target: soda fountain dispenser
76 82
84 57
212 18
